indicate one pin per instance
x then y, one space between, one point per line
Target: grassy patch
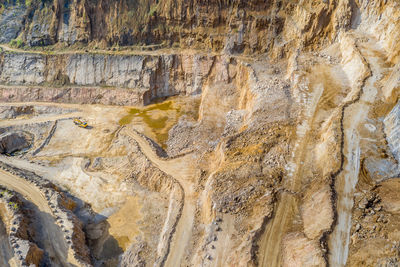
16 43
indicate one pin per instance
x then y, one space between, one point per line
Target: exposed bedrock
76 95
12 142
230 26
392 130
295 137
21 246
53 217
117 79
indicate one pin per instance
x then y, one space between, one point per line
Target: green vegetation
16 43
13 205
4 193
7 194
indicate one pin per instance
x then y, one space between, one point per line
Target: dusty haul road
182 170
54 243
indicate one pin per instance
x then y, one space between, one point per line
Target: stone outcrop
61 209
77 95
11 22
135 78
255 26
289 133
392 129
149 176
12 142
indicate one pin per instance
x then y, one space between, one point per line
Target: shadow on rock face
104 247
6 252
15 141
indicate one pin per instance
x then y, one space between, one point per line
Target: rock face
13 112
136 78
11 22
231 26
392 129
22 236
12 142
34 255
78 95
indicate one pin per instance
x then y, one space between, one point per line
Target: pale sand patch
124 223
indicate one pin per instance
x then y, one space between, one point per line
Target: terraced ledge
48 138
78 253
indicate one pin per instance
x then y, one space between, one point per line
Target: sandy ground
123 223
14 122
125 227
224 241
270 244
324 91
323 97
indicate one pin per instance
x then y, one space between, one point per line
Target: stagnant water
160 117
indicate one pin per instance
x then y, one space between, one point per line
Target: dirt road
14 122
182 170
316 99
54 244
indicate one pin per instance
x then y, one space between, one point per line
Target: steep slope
255 26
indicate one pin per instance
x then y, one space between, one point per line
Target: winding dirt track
181 169
54 243
14 122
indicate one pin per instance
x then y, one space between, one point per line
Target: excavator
80 123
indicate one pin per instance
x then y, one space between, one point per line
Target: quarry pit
184 133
